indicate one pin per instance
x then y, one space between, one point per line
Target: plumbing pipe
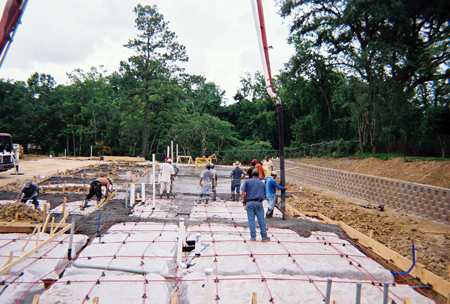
143 192
69 257
358 293
153 180
413 264
180 243
132 195
168 151
182 231
177 154
328 294
197 244
171 150
385 293
208 285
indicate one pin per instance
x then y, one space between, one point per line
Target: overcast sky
58 36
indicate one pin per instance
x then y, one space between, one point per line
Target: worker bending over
96 189
29 191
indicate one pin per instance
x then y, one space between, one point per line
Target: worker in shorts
207 179
29 191
96 189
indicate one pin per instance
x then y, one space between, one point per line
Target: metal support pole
358 293
153 180
328 294
281 143
385 293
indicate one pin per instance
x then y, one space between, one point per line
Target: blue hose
98 222
413 264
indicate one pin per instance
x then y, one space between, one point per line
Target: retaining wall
432 202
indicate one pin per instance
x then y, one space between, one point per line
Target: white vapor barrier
23 280
138 247
289 289
73 207
164 208
125 288
293 255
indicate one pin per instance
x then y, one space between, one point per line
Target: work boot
269 213
232 196
161 194
36 205
214 195
168 195
206 201
238 198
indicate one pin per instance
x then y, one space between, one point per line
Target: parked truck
7 155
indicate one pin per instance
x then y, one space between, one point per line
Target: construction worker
174 166
29 191
96 189
250 169
271 189
207 179
237 174
267 163
260 168
167 172
253 193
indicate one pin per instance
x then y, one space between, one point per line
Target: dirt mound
25 213
435 173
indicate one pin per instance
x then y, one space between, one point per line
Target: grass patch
386 156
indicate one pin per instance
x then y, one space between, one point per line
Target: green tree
150 85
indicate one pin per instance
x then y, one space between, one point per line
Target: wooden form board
437 284
123 158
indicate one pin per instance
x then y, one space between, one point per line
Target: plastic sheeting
288 289
23 280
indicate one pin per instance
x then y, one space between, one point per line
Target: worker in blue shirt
271 190
253 193
29 191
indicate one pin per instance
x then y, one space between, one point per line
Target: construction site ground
396 229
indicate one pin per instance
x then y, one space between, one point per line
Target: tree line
375 72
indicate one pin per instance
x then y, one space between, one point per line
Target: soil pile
25 213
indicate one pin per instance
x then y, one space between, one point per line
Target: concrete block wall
432 202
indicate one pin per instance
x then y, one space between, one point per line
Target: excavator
9 23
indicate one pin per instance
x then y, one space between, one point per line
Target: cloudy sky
58 36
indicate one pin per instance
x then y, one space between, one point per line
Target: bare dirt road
396 229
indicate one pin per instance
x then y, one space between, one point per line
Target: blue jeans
271 201
256 208
235 186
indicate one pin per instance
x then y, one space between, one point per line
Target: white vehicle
7 155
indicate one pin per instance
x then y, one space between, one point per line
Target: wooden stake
37 238
335 302
36 299
95 301
29 238
371 233
51 227
174 298
8 261
407 301
45 210
63 212
17 217
254 298
46 223
64 187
